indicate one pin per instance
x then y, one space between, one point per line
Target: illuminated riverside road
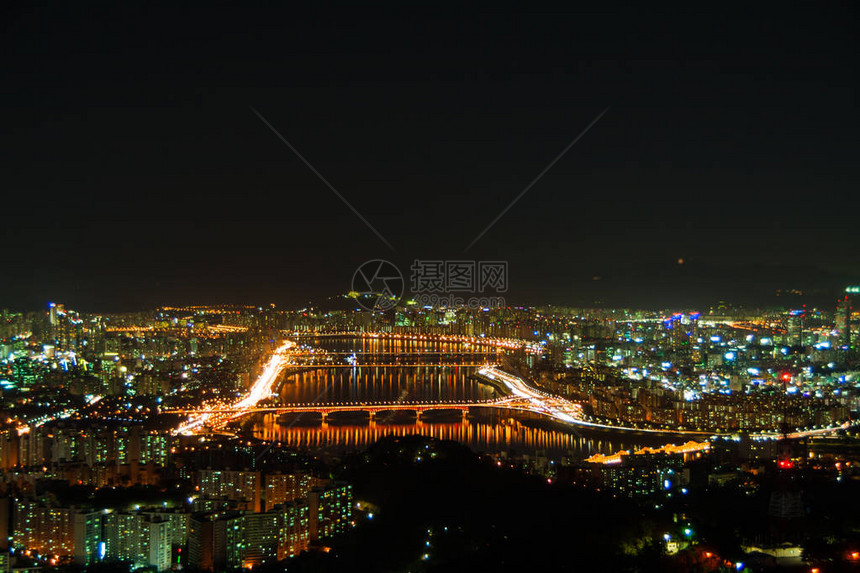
558 408
555 407
261 389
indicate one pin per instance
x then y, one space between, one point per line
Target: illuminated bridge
497 343
314 364
372 408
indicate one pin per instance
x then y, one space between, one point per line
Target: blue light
667 484
101 549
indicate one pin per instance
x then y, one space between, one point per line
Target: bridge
315 365
371 408
499 343
422 354
328 407
468 358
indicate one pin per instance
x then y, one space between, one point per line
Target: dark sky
135 173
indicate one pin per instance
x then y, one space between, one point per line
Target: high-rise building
676 331
295 529
644 475
282 488
5 522
53 312
258 544
231 539
178 519
142 539
844 308
33 448
154 448
330 510
794 327
57 531
9 440
243 488
24 372
207 539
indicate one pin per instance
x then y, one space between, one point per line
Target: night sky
135 173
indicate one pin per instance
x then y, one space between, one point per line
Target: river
430 373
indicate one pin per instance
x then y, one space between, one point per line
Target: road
261 389
534 400
558 408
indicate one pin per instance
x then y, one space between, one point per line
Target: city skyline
429 287
235 437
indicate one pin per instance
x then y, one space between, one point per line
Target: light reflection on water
384 384
499 432
505 435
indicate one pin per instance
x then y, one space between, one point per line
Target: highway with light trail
261 389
